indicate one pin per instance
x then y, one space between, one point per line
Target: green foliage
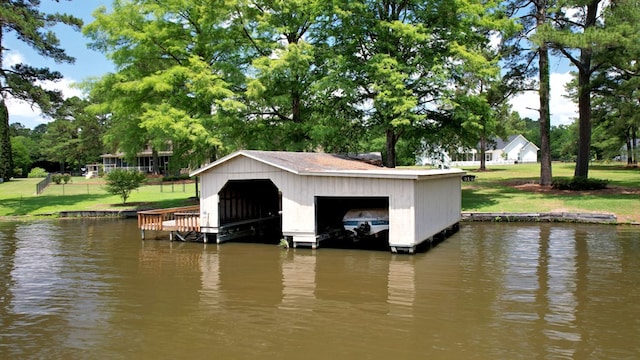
74 137
578 183
6 154
60 178
285 75
22 161
56 178
122 182
37 172
24 82
182 177
564 140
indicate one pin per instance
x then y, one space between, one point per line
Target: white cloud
31 116
563 110
11 58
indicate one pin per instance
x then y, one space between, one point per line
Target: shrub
37 172
122 182
66 178
176 178
56 178
579 184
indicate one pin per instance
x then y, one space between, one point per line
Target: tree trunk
584 99
155 158
629 146
584 122
483 151
390 162
545 115
634 146
6 159
296 109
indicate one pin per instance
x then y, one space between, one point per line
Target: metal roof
323 164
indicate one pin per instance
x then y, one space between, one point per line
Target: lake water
90 289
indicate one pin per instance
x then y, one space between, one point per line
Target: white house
515 149
299 195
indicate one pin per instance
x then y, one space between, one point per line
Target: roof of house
323 164
503 143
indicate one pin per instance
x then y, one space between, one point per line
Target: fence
43 184
98 188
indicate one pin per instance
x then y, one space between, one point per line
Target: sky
90 63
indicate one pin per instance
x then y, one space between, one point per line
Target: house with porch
144 162
512 150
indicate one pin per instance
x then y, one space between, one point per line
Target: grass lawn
499 189
18 197
512 188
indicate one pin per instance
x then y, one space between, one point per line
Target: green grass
492 191
18 197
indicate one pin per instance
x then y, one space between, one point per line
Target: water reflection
490 291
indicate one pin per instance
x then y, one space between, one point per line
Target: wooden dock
181 222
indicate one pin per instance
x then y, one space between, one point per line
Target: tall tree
400 60
522 51
284 66
24 19
617 87
74 136
541 8
174 63
587 33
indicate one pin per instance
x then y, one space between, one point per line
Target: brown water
90 289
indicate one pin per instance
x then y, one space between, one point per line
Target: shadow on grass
34 205
477 199
487 170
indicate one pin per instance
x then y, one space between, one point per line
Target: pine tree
21 81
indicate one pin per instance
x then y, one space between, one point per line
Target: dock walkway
180 222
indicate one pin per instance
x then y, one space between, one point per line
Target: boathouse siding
421 203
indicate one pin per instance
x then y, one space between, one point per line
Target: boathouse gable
314 186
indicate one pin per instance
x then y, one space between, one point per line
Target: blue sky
90 63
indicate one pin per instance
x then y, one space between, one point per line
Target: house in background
144 161
515 149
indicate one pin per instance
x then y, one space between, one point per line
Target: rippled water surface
88 289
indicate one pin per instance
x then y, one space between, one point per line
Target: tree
400 60
288 75
286 62
174 60
587 33
616 88
21 81
521 51
564 142
22 161
122 182
74 137
615 117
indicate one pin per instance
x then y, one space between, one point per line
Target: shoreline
466 216
564 217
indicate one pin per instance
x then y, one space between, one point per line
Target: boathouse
305 195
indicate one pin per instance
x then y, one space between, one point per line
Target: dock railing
186 218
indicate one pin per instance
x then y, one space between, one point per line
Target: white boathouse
303 195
